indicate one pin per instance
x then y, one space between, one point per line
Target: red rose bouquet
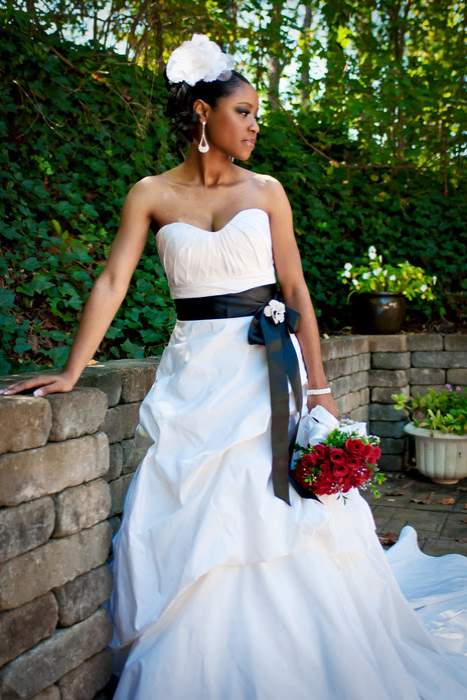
338 463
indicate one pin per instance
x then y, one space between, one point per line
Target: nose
254 126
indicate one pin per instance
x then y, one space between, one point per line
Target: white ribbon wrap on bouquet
318 423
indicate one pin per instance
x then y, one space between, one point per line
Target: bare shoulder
148 186
273 194
151 191
269 189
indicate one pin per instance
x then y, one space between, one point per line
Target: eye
247 111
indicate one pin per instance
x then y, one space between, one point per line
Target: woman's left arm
295 291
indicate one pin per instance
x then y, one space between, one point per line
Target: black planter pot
378 312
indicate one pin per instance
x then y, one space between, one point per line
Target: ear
201 109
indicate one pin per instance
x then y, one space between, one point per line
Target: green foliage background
80 125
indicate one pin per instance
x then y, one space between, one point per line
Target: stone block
383 394
50 693
349 402
391 463
76 413
22 628
80 597
45 470
393 446
25 422
118 489
427 375
443 358
423 388
386 412
386 428
456 342
25 527
349 382
51 659
457 377
121 421
388 378
106 380
346 365
80 507
359 414
424 341
86 680
137 376
390 360
59 560
133 452
343 346
387 343
136 382
115 461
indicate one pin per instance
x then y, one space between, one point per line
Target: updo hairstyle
179 108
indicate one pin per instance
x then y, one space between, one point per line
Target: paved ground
437 512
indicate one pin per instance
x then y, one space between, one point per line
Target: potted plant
379 292
438 421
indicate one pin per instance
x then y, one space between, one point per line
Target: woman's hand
45 383
325 400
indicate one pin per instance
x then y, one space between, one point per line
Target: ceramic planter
378 312
440 456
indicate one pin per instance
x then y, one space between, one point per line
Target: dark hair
179 108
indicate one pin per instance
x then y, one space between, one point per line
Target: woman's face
232 127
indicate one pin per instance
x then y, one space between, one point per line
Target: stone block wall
66 461
347 361
65 464
409 364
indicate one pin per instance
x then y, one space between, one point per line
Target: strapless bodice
200 263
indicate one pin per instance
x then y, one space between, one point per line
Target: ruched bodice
200 263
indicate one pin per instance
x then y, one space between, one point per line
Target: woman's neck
211 169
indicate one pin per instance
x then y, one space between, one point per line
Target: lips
250 142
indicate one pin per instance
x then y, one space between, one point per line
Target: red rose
356 447
321 451
355 463
374 454
337 456
301 472
308 461
340 470
351 445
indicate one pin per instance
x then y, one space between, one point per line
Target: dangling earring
203 145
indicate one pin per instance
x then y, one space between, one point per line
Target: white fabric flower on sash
276 310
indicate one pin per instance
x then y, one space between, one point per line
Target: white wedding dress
222 591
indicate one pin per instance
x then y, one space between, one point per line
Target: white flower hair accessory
276 310
198 59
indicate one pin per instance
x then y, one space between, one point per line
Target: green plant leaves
80 126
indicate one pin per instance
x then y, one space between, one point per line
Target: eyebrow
245 103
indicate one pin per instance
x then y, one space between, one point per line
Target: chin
241 157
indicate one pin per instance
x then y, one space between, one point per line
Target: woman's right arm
106 296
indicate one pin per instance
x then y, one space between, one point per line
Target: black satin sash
281 358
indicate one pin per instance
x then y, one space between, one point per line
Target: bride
227 584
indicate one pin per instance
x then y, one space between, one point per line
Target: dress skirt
223 591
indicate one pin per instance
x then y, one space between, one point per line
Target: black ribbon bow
282 366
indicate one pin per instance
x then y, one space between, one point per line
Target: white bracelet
312 392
